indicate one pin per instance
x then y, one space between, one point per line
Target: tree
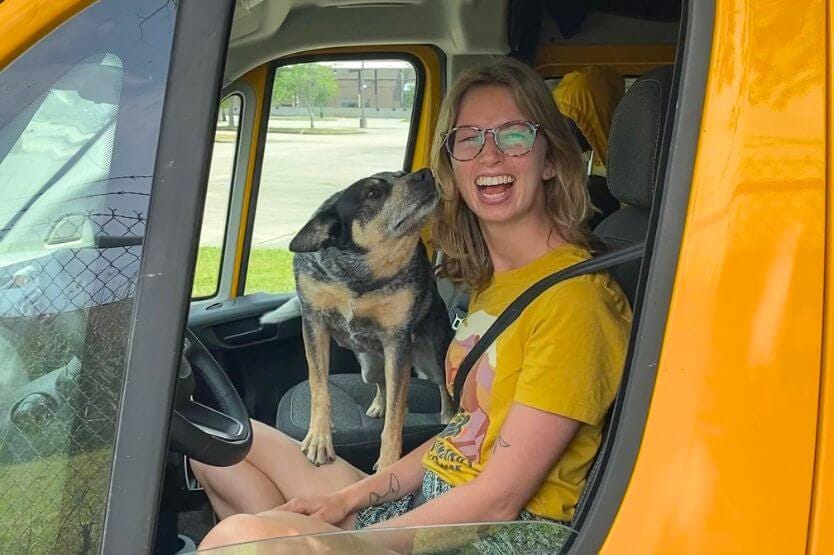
311 85
227 113
408 95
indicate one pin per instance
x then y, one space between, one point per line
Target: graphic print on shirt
469 426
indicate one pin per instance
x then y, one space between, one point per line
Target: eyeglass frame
444 136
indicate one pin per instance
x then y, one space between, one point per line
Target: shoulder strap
512 312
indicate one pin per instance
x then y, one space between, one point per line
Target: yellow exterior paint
727 459
25 22
821 531
257 79
628 59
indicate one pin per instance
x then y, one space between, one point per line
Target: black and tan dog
364 279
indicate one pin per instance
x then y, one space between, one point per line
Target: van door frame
687 99
164 289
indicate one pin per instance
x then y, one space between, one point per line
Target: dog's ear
319 233
389 175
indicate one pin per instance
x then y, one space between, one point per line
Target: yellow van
156 157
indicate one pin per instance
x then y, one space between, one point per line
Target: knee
234 529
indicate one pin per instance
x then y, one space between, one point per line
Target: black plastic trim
175 213
652 304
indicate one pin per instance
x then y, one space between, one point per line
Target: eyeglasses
514 138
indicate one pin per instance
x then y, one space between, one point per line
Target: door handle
256 335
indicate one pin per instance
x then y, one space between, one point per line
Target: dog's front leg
397 372
318 444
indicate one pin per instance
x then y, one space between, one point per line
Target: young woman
513 210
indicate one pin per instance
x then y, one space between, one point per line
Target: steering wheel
216 437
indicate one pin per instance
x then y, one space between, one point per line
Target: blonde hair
455 230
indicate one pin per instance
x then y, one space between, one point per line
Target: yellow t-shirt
563 355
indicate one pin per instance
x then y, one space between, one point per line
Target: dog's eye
373 193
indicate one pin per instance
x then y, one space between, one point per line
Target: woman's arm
529 444
389 484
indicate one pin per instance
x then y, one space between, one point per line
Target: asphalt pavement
300 171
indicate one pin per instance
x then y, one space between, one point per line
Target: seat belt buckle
456 322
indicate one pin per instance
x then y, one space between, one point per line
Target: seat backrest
602 199
633 162
633 177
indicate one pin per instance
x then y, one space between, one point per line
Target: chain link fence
64 326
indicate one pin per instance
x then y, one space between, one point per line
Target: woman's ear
549 170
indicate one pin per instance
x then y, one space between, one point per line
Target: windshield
55 157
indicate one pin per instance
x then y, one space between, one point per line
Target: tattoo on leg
499 442
393 492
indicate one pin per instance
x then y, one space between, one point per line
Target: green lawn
270 271
54 504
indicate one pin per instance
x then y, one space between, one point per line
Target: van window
330 124
216 210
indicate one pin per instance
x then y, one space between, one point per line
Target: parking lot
301 170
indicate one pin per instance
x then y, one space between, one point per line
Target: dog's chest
359 334
358 321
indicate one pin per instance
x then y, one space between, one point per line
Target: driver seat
634 146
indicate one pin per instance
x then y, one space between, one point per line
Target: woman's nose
490 153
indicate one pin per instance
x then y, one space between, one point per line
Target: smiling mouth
494 189
494 180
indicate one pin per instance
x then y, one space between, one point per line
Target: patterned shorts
496 539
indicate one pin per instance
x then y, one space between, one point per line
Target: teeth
487 181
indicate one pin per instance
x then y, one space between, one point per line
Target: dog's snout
422 175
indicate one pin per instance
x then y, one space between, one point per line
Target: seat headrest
635 138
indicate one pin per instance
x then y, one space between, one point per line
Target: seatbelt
512 312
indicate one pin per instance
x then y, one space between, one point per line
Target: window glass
216 212
330 124
529 536
78 133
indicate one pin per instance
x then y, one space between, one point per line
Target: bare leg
277 524
241 488
267 525
274 471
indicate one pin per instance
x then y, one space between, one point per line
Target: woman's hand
333 508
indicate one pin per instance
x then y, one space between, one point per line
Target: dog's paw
318 448
377 408
385 460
